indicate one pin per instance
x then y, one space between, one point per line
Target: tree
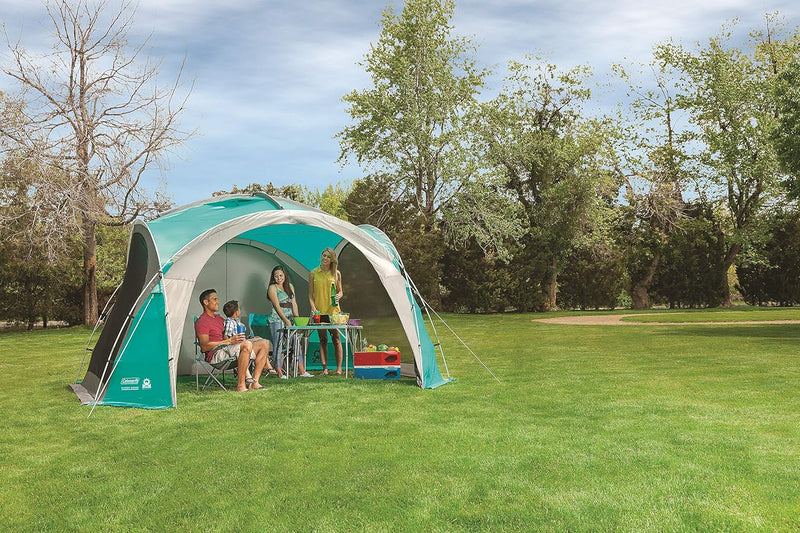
331 200
38 278
768 271
553 159
411 123
298 193
654 158
95 121
786 134
728 94
688 275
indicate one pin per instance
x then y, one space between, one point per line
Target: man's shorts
226 351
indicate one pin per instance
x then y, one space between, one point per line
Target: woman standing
284 308
324 282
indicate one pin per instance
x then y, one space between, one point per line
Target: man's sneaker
284 376
306 375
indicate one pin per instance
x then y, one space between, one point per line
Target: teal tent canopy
231 243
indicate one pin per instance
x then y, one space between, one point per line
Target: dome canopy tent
231 243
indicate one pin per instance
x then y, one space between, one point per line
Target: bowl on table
354 322
340 319
301 321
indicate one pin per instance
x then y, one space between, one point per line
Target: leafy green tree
654 161
331 200
39 278
688 275
768 271
594 274
411 123
298 193
553 158
728 93
374 200
786 134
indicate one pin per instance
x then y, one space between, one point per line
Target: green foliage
331 200
553 158
690 272
298 193
593 276
729 95
768 272
375 200
477 282
410 129
39 271
786 134
410 123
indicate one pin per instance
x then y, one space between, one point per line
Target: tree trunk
90 309
639 290
550 287
730 257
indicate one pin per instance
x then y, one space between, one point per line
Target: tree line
531 200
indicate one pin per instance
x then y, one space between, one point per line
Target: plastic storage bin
376 358
377 372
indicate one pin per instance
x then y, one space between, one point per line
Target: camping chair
211 370
259 327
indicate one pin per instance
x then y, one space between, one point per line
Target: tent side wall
141 267
141 374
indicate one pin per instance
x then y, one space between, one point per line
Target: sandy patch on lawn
616 320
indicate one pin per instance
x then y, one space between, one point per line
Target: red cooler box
376 359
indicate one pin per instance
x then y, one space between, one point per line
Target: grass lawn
592 428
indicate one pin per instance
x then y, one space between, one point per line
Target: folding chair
211 370
259 327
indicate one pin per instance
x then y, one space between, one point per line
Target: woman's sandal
272 371
325 372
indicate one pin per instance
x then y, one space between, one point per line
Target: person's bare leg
261 360
242 363
262 347
323 351
337 350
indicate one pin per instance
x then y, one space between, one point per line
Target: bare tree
95 121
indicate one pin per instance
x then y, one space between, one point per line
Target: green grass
646 428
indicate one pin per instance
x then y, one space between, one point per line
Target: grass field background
592 428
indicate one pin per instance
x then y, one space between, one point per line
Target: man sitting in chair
209 329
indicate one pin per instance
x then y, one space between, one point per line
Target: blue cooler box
377 372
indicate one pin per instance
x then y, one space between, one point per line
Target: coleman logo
129 381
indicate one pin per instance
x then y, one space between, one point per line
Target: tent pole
425 306
100 318
146 290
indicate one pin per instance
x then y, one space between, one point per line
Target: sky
268 77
